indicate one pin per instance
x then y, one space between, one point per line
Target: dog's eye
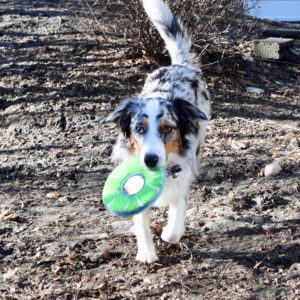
167 129
140 129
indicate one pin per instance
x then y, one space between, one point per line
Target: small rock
192 212
272 169
105 254
104 235
9 274
251 219
53 195
294 270
259 200
239 145
257 220
249 58
255 90
147 280
295 267
219 224
205 266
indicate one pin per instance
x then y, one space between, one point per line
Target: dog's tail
177 42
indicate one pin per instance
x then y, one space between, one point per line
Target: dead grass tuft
214 25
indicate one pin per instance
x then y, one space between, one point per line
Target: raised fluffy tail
177 42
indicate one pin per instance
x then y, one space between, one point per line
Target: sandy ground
58 242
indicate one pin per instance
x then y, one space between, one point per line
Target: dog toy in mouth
131 187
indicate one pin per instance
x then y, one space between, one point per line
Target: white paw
146 257
172 236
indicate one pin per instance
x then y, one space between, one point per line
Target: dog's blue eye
140 129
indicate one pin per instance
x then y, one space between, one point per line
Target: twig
231 290
260 262
91 162
5 194
268 122
214 62
293 153
188 288
92 14
285 126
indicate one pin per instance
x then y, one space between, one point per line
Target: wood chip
8 216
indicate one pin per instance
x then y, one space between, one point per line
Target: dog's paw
170 235
146 257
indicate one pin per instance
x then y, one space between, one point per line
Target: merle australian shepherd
165 125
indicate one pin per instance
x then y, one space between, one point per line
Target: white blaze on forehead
153 144
152 109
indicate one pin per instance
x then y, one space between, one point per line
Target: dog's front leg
146 249
176 225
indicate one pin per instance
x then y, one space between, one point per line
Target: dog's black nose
151 160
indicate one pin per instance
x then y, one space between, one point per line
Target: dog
165 125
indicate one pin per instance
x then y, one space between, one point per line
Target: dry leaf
8 216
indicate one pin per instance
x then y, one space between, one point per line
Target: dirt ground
58 242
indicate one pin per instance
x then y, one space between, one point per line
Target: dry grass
214 25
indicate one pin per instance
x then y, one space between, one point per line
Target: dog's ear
188 116
122 116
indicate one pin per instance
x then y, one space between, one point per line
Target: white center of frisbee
134 184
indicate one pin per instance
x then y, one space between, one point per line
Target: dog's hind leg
146 250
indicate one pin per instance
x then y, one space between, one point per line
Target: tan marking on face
145 122
134 146
162 123
173 144
164 127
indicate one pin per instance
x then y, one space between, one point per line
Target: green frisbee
131 187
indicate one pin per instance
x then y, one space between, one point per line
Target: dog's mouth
173 171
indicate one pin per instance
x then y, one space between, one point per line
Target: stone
255 90
272 48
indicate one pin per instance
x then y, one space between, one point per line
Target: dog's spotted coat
165 125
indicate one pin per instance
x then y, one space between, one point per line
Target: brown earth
58 242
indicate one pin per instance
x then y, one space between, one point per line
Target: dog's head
155 127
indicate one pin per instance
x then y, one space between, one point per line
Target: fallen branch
271 123
293 154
